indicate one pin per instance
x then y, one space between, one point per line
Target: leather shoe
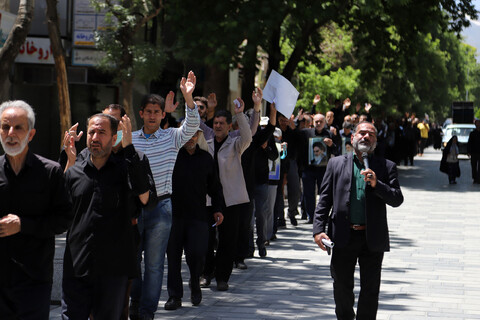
293 220
205 281
222 286
196 297
262 252
241 265
173 303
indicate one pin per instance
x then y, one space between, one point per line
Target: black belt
165 196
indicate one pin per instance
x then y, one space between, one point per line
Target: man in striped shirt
161 147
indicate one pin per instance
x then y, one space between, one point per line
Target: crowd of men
212 187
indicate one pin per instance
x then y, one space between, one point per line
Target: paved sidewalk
432 271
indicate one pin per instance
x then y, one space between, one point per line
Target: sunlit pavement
432 270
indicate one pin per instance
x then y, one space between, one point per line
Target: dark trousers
310 180
228 237
192 236
100 296
261 207
342 268
278 209
245 231
209 266
24 298
475 163
293 188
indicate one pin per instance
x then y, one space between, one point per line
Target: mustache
12 139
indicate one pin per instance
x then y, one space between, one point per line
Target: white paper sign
282 92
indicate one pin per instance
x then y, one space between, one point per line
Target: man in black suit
357 194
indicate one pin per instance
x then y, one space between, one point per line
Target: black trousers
475 163
228 237
342 269
100 296
192 236
23 297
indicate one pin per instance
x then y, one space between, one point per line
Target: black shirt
194 176
100 240
38 195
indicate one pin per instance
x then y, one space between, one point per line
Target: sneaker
173 303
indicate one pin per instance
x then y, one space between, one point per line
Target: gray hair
19 104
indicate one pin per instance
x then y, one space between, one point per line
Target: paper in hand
279 90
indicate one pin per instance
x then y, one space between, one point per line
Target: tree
60 66
15 39
128 56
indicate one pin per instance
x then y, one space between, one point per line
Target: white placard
36 50
282 92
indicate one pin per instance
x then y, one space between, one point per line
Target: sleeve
214 187
189 127
59 215
207 131
245 138
152 196
272 151
325 202
137 171
254 121
389 191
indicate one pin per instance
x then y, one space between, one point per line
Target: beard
16 150
99 151
363 145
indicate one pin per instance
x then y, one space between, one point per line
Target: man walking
161 147
473 149
35 206
358 194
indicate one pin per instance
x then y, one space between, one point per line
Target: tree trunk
127 101
249 71
60 67
217 81
16 38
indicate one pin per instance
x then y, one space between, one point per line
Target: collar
141 133
29 160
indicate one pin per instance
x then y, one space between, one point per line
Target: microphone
365 160
366 164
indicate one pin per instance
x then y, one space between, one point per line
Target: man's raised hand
169 105
187 86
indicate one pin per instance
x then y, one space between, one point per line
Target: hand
187 86
242 106
169 106
316 99
126 127
73 132
212 101
347 103
318 240
273 115
300 114
333 130
358 106
257 96
291 122
70 150
218 217
9 225
370 177
368 106
328 141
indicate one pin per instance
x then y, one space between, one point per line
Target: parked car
462 131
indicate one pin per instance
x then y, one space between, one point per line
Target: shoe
293 221
273 238
205 281
267 243
241 265
222 286
262 252
196 297
282 224
310 221
173 303
133 310
144 317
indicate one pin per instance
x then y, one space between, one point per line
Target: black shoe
205 281
241 265
281 224
196 297
293 220
173 303
273 238
133 310
222 286
310 221
262 252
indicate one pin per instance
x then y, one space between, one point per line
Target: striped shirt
162 146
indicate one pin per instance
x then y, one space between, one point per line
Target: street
432 270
